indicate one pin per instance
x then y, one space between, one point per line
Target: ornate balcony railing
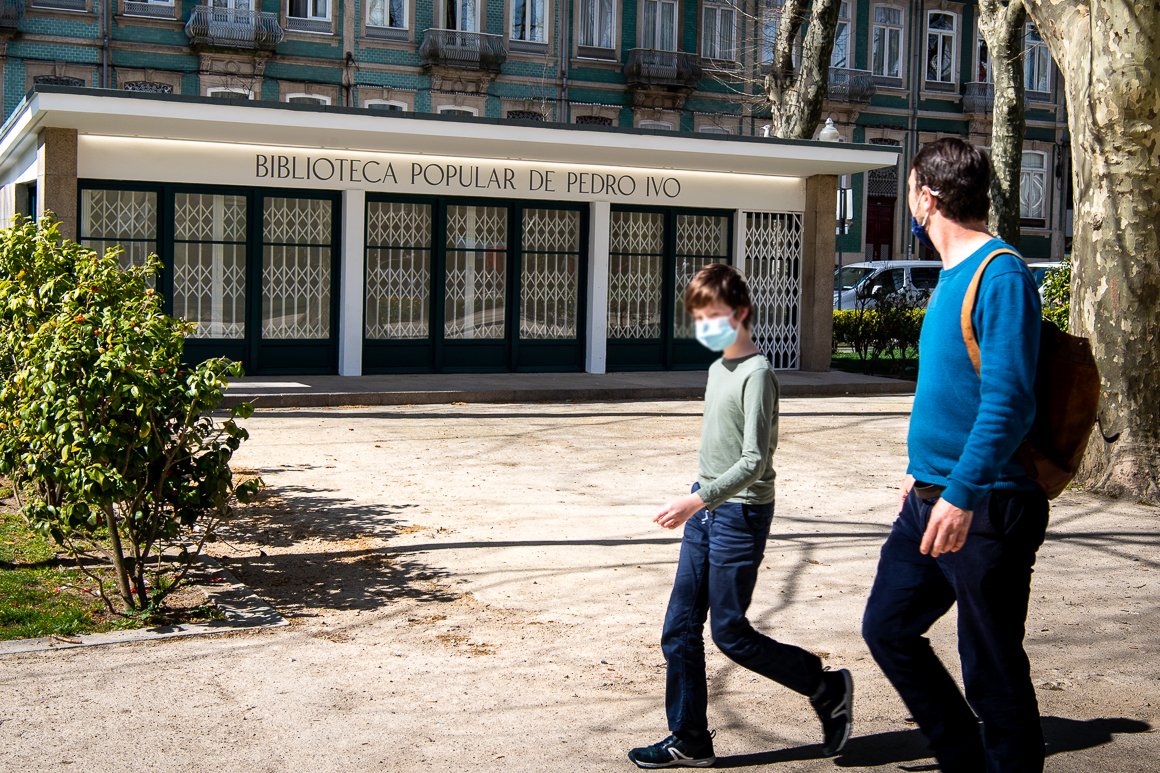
979 97
231 28
464 50
648 67
846 85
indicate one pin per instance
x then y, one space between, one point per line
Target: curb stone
242 609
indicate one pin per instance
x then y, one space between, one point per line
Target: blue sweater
964 429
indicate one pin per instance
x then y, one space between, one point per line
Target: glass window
848 277
658 125
387 13
596 23
940 47
841 54
887 49
461 15
385 106
1036 62
458 112
1033 186
307 99
528 21
318 10
209 263
924 278
982 59
659 28
398 285
719 31
125 219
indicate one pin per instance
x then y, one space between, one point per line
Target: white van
858 283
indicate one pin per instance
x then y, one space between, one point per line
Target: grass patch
848 362
43 594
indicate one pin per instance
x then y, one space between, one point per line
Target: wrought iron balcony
979 97
11 12
846 85
232 28
462 50
649 67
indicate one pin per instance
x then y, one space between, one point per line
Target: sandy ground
480 587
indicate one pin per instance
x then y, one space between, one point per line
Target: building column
739 223
56 178
352 274
818 244
599 232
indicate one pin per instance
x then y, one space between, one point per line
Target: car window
847 277
890 281
924 278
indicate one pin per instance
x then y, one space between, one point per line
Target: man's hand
678 511
907 485
946 532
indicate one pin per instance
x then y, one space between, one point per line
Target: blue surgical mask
716 333
919 231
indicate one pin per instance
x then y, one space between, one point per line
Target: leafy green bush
1057 295
104 432
890 329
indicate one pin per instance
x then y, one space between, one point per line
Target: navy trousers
990 579
717 571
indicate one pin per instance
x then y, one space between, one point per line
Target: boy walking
727 520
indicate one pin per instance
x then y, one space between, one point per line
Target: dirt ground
481 587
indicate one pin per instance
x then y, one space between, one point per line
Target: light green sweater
739 432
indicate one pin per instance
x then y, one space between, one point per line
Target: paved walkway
432 388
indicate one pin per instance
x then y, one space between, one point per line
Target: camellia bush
107 437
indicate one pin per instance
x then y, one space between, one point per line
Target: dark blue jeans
990 579
720 554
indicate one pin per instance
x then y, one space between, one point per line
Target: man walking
970 521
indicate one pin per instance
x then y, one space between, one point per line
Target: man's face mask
716 333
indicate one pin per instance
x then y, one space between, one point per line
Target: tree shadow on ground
305 552
909 746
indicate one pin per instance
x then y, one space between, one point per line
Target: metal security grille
128 219
398 288
773 266
635 281
701 239
883 182
297 255
209 263
475 280
550 273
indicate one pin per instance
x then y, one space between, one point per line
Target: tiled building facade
903 72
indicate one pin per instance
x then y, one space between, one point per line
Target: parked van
858 283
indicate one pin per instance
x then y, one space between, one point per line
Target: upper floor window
58 80
771 13
719 30
1033 186
307 99
315 10
458 112
461 15
158 9
389 14
593 120
1036 62
659 26
528 21
940 47
709 129
982 58
597 19
886 42
385 105
227 92
840 57
525 115
657 125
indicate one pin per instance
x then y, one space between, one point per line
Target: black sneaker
675 752
834 704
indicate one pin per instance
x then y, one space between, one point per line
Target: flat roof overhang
115 113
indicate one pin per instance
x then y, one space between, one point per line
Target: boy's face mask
716 333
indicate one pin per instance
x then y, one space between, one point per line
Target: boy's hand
678 511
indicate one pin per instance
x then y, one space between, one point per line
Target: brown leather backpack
1067 397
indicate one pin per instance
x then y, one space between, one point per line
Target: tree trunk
1107 52
118 555
1002 26
796 93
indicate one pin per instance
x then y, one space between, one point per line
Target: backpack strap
969 299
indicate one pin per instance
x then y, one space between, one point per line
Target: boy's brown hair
719 282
